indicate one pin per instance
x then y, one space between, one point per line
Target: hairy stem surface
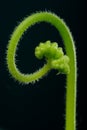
70 51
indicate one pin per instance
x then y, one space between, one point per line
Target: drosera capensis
56 59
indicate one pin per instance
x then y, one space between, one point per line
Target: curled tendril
54 55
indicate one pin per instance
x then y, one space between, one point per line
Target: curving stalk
54 56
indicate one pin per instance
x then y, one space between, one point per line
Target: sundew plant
55 59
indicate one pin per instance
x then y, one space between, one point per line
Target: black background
40 105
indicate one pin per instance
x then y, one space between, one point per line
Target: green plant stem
65 33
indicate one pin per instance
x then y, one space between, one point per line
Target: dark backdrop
41 105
